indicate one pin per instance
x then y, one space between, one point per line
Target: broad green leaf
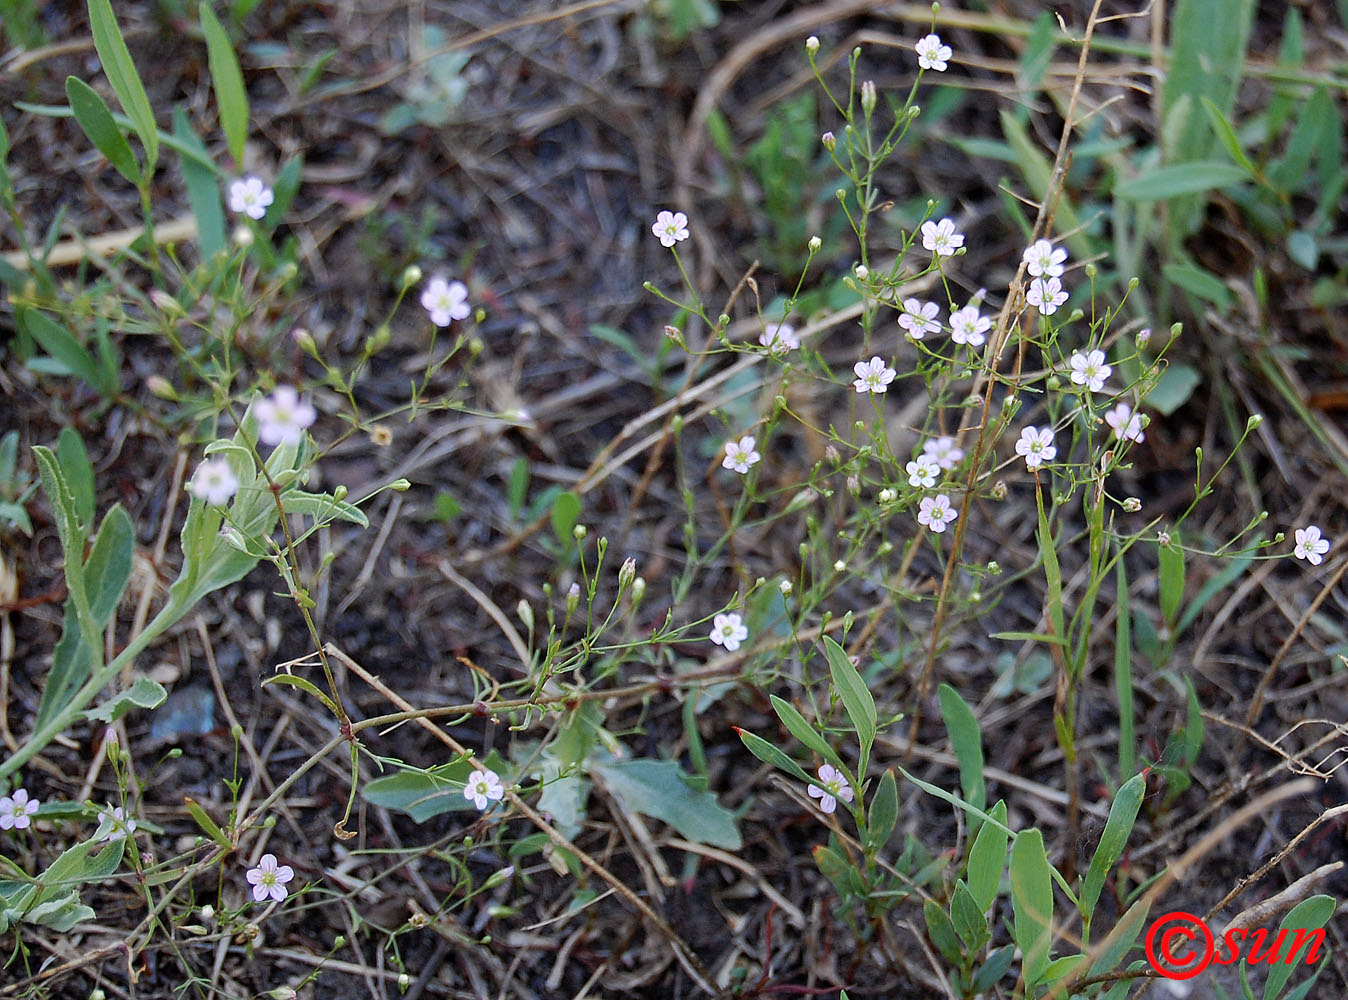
1060 967
563 799
1171 577
769 754
61 914
856 697
1303 249
422 795
1032 903
121 71
230 95
1174 388
802 730
1122 815
96 121
987 858
565 513
1197 281
942 933
79 473
884 811
968 919
203 188
967 739
1309 915
656 788
144 693
62 345
1164 183
323 507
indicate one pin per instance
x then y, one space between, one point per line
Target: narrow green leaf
884 812
305 685
1052 640
1122 815
995 968
987 858
322 507
1226 135
62 345
802 730
1171 577
856 697
79 473
1176 179
208 825
955 800
286 187
1313 118
121 71
967 739
95 119
1032 904
230 95
517 488
1310 915
769 754
1124 933
203 188
1193 727
565 514
1052 572
1291 55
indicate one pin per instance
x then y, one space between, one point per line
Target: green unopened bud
411 275
400 485
305 340
404 982
1090 271
526 613
815 243
862 272
339 493
283 993
339 942
638 589
785 587
242 236
885 548
378 340
627 572
1255 420
1143 338
994 569
499 877
812 45
829 140
579 532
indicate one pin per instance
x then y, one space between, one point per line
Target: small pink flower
17 810
269 879
835 787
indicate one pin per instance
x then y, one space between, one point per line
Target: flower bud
785 587
994 569
305 340
161 387
999 490
638 589
1132 505
411 275
404 982
627 572
572 598
579 532
1143 338
853 485
886 496
812 45
839 566
829 141
862 272
815 243
165 302
868 97
242 236
1163 539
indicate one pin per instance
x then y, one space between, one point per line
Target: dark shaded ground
539 189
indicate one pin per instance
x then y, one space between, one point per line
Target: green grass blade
121 71
1123 673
